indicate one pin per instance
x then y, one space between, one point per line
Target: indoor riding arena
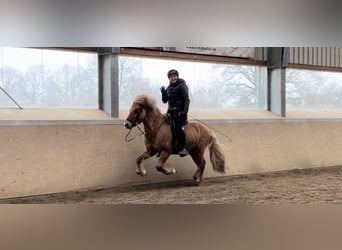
276 113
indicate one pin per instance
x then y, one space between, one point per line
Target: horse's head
136 115
142 107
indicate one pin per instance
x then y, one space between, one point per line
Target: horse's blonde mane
147 101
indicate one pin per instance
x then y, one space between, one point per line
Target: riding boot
182 152
174 136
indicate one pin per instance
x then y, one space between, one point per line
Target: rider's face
173 78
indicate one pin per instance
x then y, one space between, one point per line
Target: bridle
135 123
137 112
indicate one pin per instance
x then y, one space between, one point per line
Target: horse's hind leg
161 162
140 168
198 158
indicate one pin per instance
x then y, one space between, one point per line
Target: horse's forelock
146 101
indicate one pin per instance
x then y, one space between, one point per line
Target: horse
158 139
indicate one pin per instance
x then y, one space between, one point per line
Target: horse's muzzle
129 125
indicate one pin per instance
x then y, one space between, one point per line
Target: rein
131 139
141 132
211 127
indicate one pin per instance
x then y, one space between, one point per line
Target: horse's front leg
161 162
140 168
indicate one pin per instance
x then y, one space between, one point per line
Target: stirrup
183 152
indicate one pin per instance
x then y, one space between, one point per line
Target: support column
277 58
108 61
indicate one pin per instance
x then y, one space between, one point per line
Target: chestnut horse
158 139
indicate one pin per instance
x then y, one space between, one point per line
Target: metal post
10 97
277 58
109 80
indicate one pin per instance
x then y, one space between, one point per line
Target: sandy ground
298 186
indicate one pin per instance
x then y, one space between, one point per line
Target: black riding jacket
177 96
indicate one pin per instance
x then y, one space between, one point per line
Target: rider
177 96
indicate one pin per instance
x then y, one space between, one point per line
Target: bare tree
73 86
132 80
308 90
234 87
33 89
11 81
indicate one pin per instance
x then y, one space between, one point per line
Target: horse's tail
217 157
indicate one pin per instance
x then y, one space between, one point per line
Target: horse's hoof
173 171
142 173
196 181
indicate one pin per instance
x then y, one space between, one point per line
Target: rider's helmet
172 72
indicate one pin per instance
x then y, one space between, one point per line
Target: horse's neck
153 122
